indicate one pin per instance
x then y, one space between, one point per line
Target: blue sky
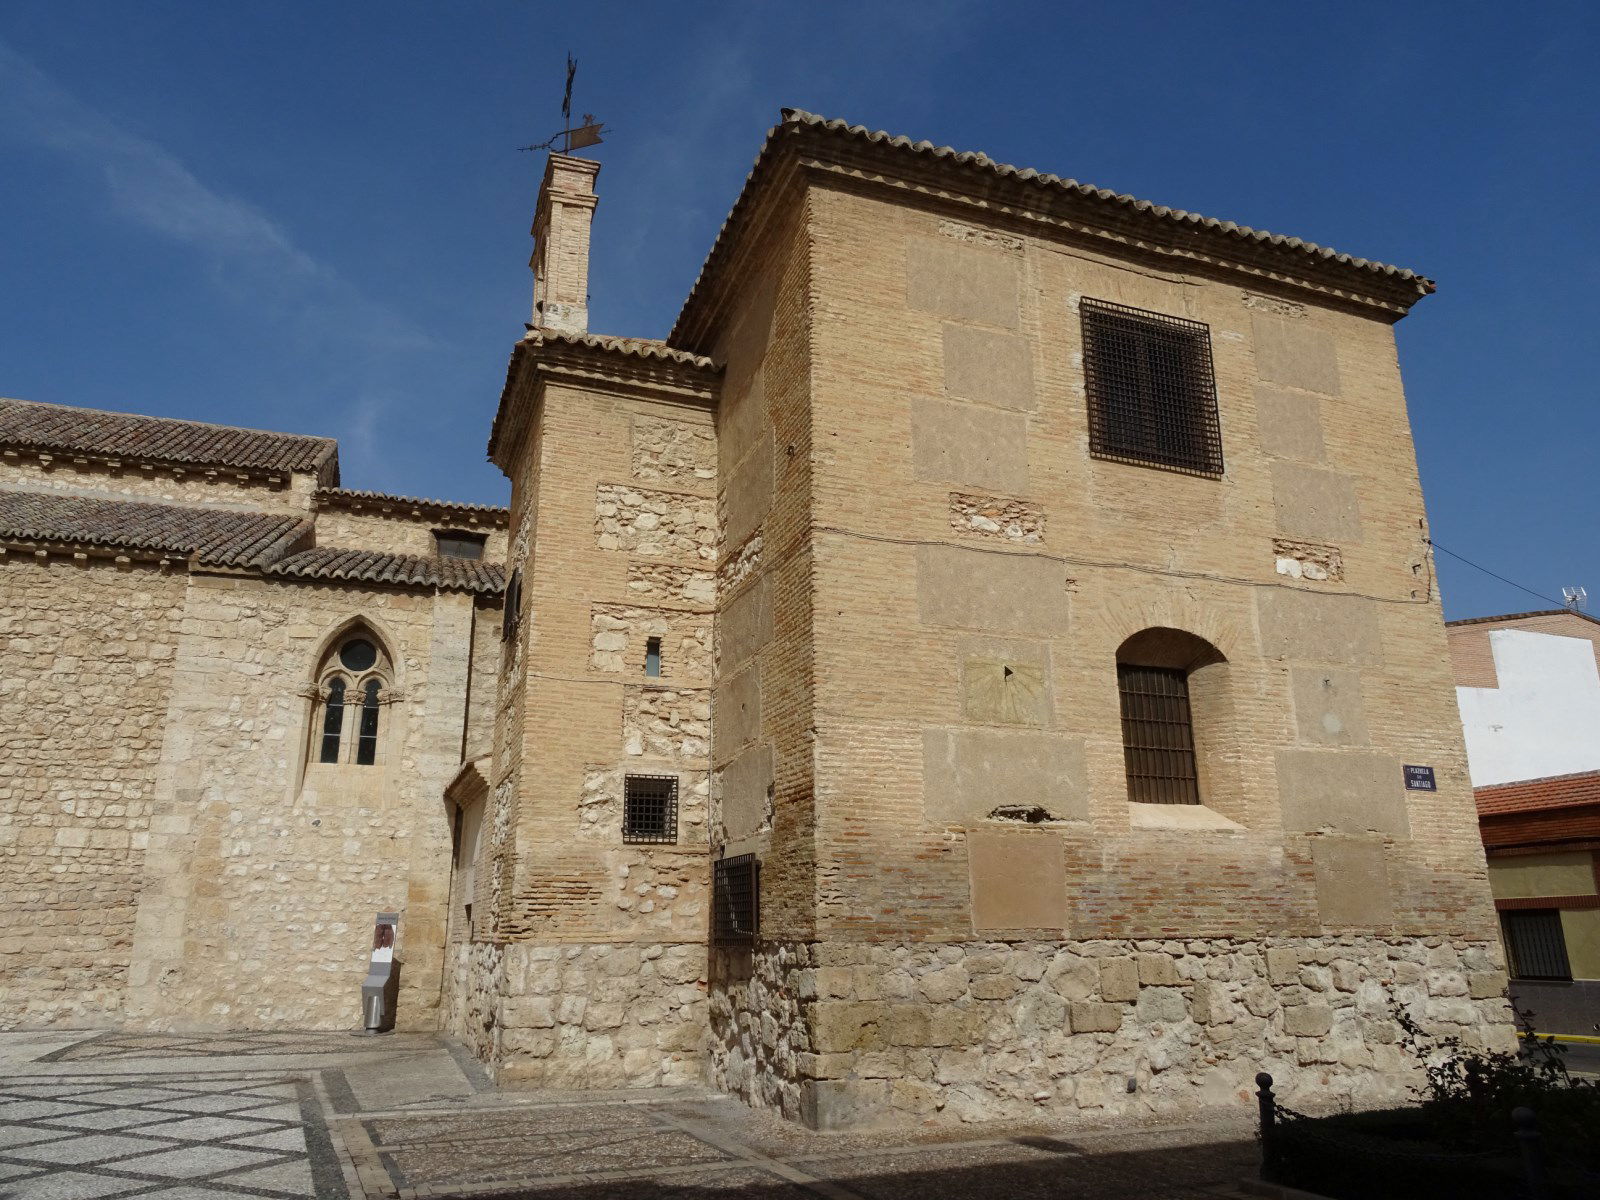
313 217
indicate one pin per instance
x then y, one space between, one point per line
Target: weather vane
572 137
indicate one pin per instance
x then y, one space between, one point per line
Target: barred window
1152 394
1158 735
1535 943
650 808
735 900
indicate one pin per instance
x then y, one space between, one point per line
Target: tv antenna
573 137
1577 598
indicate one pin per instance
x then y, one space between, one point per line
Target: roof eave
939 174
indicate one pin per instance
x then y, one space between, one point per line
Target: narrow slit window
1158 735
367 743
1151 389
332 722
650 808
652 657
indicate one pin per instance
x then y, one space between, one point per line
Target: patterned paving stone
32 1110
80 1150
203 1129
187 1162
22 1135
293 1177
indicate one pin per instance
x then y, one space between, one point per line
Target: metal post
1528 1142
1268 1106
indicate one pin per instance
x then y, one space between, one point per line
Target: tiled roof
1538 795
1523 616
377 566
1161 225
637 347
220 536
409 505
62 428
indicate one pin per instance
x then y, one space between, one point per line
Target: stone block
1161 1005
991 591
1290 424
1343 791
989 367
1088 1016
967 445
1283 966
737 711
1119 979
994 987
1018 880
744 627
1005 683
1315 505
844 1104
970 773
1157 970
742 790
965 282
1308 627
907 1025
1295 353
1308 1020
748 495
1327 706
1484 985
838 1026
1353 888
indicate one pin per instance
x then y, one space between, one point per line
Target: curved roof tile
219 536
64 428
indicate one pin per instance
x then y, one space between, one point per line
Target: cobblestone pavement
87 1116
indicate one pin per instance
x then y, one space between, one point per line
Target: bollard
1268 1105
1528 1142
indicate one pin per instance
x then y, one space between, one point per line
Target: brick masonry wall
83 709
1472 660
614 529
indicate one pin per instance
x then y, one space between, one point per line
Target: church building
985 662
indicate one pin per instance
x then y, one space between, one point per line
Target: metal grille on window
1157 735
650 808
1535 943
1152 394
735 900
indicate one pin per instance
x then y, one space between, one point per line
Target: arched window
355 671
1171 686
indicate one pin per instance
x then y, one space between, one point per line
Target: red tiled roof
378 566
1538 795
63 428
353 498
220 536
1523 616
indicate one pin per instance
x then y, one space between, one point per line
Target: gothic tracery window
354 674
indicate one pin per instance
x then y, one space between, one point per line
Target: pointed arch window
355 673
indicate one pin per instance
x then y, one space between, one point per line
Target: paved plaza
86 1116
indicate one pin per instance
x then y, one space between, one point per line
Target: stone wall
399 531
984 1030
83 711
172 485
265 868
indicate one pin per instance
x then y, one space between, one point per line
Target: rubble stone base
591 1015
843 1035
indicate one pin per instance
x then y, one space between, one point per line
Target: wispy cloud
250 255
